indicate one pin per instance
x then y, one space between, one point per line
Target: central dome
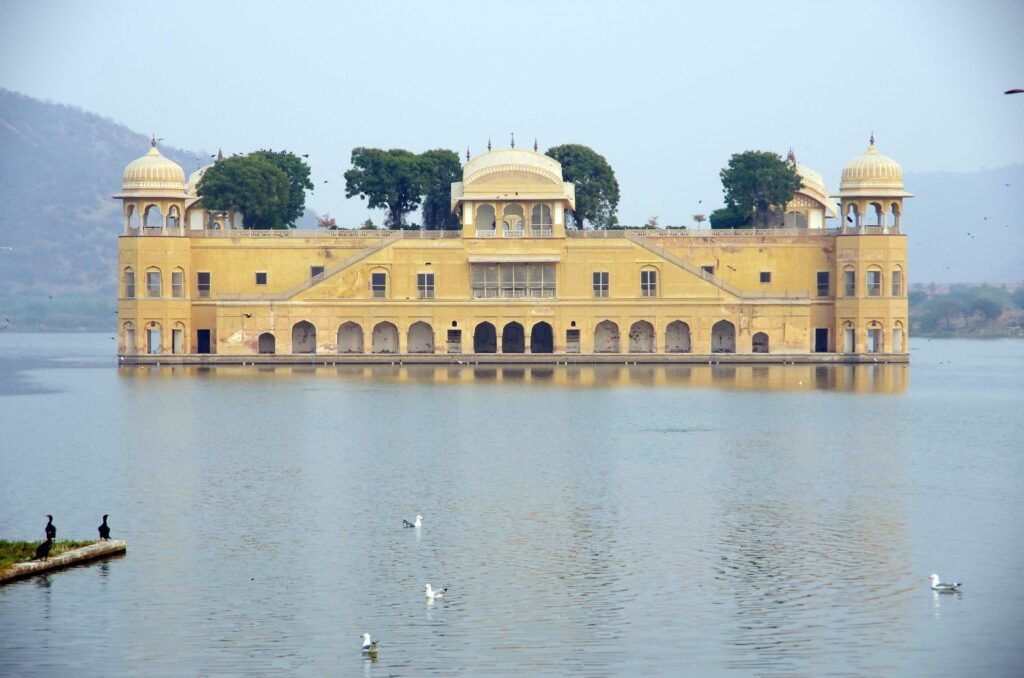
871 172
154 172
512 159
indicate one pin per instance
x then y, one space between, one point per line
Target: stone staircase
660 250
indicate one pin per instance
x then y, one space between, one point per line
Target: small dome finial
535 144
488 143
152 140
467 153
220 155
872 140
791 157
513 139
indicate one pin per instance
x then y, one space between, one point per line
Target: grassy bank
12 552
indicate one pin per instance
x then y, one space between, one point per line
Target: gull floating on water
369 646
418 523
432 594
944 587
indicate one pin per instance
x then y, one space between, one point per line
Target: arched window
154 338
849 282
178 283
849 337
173 217
485 220
131 217
874 337
677 337
512 221
759 343
129 338
873 281
178 338
152 217
879 214
153 283
897 337
896 289
540 220
649 282
267 343
129 283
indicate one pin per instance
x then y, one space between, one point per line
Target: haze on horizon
665 91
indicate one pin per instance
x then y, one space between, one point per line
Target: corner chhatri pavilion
514 282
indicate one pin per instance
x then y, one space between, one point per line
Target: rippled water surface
699 520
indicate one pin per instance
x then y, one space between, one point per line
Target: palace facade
196 286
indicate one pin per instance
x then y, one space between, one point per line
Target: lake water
589 521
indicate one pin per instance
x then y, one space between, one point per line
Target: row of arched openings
641 338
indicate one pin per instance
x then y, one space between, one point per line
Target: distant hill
60 165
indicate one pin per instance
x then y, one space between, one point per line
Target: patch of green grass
12 552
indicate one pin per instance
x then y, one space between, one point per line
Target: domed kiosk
153 193
872 183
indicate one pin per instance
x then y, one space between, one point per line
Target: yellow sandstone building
194 286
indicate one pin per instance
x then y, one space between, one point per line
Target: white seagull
369 646
432 594
417 523
944 587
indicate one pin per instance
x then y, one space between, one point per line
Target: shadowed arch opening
513 338
542 338
385 338
303 337
641 337
759 343
421 338
485 338
723 337
267 344
606 337
350 338
677 337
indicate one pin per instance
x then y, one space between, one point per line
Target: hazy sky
666 91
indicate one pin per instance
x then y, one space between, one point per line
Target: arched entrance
641 337
129 338
385 338
606 337
178 338
154 338
267 343
513 339
421 338
677 337
542 338
350 338
485 339
303 337
723 337
759 343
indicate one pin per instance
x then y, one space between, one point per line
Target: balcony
513 293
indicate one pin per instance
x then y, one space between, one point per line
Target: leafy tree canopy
298 181
729 217
252 184
440 168
597 191
756 183
390 179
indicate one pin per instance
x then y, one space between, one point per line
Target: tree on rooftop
440 168
597 191
251 184
298 181
757 185
390 179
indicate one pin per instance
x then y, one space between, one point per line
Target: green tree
597 191
298 181
729 217
758 184
251 184
440 168
390 179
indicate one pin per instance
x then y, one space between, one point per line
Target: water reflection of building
513 280
866 379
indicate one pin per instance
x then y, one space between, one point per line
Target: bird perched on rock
43 550
104 529
432 594
369 646
944 587
51 529
418 522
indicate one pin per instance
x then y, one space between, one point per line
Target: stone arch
878 211
485 218
795 219
267 344
513 338
897 337
540 217
677 337
723 337
606 337
154 338
485 338
512 218
131 217
421 338
849 337
178 334
173 217
759 343
303 337
875 339
385 338
350 338
894 210
129 338
152 217
542 338
641 337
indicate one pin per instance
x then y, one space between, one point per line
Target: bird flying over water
417 523
431 594
104 529
51 529
944 587
1016 90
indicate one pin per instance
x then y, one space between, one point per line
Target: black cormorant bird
104 528
51 530
43 550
